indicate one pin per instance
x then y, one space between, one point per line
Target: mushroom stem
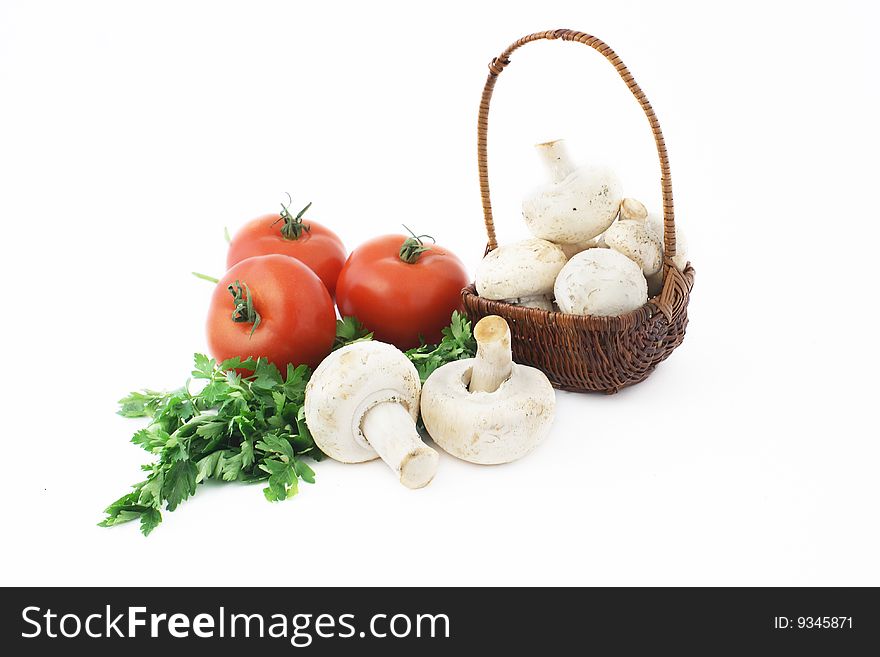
493 363
554 155
390 430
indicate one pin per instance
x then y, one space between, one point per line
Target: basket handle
499 63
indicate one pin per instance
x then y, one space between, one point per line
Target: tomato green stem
205 277
413 247
293 226
244 312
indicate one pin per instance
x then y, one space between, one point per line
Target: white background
132 133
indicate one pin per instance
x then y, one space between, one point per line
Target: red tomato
400 301
297 321
311 243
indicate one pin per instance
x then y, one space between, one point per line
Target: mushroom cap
655 224
348 383
600 282
576 209
487 427
631 208
521 269
637 242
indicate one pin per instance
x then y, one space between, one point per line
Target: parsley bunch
237 428
246 423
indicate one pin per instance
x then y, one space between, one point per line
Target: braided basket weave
582 353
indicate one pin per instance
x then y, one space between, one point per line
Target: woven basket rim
553 318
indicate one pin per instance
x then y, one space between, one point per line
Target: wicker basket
582 353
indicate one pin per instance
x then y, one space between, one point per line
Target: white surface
130 134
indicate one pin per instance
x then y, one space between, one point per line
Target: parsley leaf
204 367
140 404
457 343
266 375
180 483
150 519
350 330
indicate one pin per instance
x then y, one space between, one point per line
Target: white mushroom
600 282
488 409
521 273
632 210
655 224
362 402
636 241
576 205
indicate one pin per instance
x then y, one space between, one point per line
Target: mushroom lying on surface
488 409
521 273
576 205
600 282
363 402
631 236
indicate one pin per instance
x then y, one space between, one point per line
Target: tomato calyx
244 311
413 247
293 226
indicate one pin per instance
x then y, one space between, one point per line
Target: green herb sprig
458 342
350 330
